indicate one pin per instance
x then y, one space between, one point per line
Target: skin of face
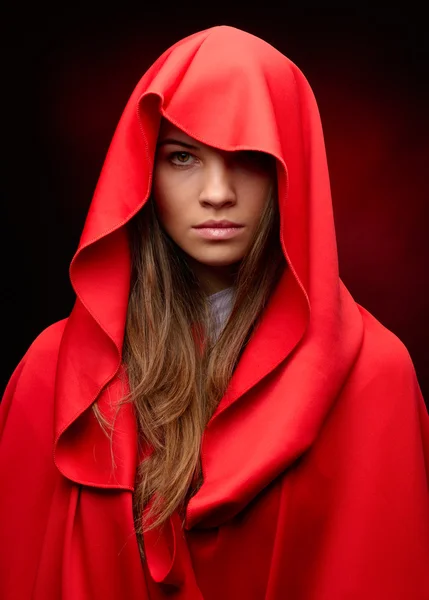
194 182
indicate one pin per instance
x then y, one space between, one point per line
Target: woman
217 418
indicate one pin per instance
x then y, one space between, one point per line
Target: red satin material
316 461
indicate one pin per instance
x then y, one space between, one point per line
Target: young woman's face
209 201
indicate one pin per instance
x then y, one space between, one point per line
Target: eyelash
179 165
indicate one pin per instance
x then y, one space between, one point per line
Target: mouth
223 224
219 233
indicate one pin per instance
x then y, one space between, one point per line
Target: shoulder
43 351
381 345
47 342
381 402
384 357
30 387
40 359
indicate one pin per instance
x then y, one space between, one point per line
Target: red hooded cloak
316 460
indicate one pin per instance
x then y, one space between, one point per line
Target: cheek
165 201
256 192
171 190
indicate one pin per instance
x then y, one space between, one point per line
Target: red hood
231 90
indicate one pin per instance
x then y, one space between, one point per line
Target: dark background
66 77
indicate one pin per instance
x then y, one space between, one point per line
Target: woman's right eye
180 158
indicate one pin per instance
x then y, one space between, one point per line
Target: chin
219 263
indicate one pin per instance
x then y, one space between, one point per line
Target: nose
217 185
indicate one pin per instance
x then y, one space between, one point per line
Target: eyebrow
177 142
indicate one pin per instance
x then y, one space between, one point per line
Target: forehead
167 129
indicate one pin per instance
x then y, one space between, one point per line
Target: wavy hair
177 370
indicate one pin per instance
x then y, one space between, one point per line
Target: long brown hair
176 381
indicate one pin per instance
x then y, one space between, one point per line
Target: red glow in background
67 85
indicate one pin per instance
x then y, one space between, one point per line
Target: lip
218 224
218 233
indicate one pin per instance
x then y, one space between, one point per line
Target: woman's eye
180 158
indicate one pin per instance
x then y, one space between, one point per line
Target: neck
213 278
